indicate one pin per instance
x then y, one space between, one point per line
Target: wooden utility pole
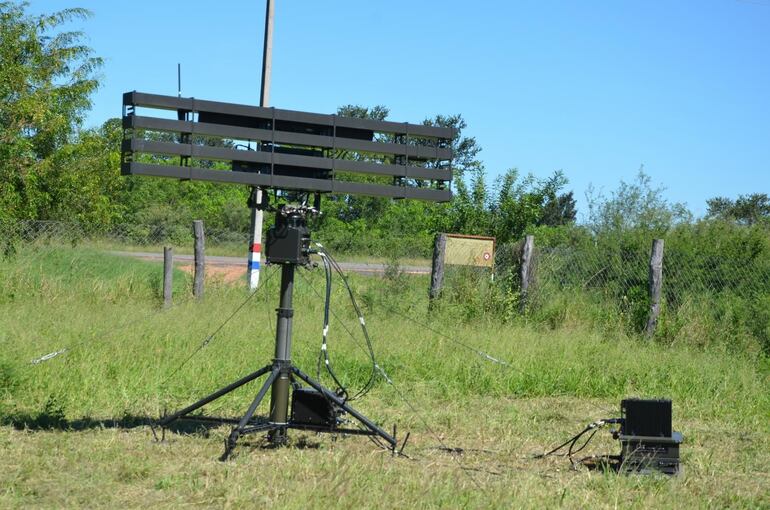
526 271
656 285
437 271
255 246
200 262
168 276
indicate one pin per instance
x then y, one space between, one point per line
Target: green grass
73 432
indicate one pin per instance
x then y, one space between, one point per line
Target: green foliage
465 149
46 80
635 206
716 274
745 210
512 208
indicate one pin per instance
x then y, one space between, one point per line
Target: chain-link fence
148 237
120 235
625 274
710 292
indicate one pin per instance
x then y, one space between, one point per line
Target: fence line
726 285
181 237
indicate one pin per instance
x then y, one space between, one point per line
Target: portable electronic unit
648 443
310 408
288 241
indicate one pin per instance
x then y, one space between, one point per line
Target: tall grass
121 346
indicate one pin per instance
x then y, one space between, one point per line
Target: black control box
646 455
648 443
646 417
288 241
309 407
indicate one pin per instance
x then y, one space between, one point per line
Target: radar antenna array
293 153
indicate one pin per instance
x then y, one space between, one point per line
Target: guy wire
211 336
105 333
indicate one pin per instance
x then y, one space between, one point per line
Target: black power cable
323 355
373 374
334 314
591 427
377 369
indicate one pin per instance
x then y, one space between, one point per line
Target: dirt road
234 267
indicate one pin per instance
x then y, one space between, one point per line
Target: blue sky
595 88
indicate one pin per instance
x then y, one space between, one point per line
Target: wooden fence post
168 275
526 270
200 262
437 271
656 284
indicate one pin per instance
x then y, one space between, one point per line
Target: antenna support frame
288 246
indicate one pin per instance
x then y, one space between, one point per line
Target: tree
81 180
465 149
405 217
745 210
558 210
46 81
349 208
528 202
634 206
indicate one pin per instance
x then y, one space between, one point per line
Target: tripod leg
253 407
236 432
337 400
205 400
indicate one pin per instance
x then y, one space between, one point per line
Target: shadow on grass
192 425
47 421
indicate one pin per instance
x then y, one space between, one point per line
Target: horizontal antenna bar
142 99
285 182
417 152
269 158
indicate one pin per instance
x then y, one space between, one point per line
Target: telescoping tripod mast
299 152
288 245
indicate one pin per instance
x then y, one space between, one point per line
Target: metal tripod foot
242 425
